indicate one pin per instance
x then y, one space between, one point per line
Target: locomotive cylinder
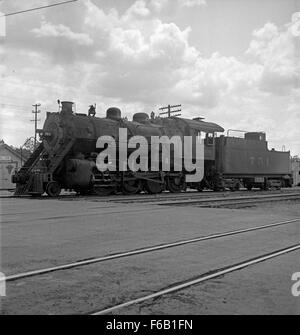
79 173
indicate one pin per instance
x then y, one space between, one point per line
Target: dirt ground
42 233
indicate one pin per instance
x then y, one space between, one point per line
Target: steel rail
194 195
145 196
241 203
228 199
202 278
79 263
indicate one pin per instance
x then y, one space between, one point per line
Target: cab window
200 136
209 139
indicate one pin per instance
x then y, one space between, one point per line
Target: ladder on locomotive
32 160
58 158
27 168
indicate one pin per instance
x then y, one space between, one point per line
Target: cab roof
207 127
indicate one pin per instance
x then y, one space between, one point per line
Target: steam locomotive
66 158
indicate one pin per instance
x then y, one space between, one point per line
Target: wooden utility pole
170 111
36 111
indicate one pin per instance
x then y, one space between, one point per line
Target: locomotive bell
114 113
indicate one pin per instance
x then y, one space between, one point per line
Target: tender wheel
265 187
53 189
152 187
132 186
237 187
176 184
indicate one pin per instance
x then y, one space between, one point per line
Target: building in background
296 170
10 160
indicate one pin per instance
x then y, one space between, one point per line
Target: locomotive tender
66 157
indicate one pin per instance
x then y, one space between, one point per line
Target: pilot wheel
53 189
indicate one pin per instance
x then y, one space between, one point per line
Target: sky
233 62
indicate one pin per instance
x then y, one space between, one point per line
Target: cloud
295 25
158 5
138 60
191 3
139 66
277 49
152 61
137 11
209 80
161 5
48 29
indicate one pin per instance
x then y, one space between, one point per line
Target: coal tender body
248 161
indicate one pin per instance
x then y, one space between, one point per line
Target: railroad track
200 279
150 198
145 250
162 204
144 197
230 201
168 288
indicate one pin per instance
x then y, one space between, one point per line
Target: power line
38 8
170 111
